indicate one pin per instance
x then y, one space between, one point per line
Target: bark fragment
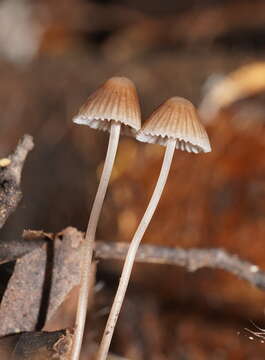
10 175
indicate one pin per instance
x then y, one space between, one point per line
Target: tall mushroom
113 107
174 124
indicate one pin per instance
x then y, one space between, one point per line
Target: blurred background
53 54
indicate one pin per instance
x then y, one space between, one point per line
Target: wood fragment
10 175
191 259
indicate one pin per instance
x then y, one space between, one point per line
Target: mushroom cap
176 119
115 100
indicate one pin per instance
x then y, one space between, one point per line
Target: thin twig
191 259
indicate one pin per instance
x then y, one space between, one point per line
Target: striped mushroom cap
176 119
115 100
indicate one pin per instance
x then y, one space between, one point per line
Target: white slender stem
88 246
130 257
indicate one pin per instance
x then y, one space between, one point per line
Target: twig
191 259
10 175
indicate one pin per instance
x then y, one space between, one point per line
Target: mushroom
113 107
174 124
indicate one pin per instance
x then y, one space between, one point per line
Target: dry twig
191 259
10 175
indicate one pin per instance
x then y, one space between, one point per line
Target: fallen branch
191 259
10 175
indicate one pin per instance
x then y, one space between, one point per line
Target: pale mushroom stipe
174 124
113 107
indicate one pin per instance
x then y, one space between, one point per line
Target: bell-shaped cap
115 100
176 119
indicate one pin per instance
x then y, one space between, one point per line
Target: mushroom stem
86 283
130 257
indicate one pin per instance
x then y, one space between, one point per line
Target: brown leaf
40 282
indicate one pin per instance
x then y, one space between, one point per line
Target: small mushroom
113 107
174 124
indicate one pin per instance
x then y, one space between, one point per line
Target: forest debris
258 333
10 193
43 277
14 249
21 303
191 259
36 234
36 346
46 275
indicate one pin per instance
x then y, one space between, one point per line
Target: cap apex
120 80
177 100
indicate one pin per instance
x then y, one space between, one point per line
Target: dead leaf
40 282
